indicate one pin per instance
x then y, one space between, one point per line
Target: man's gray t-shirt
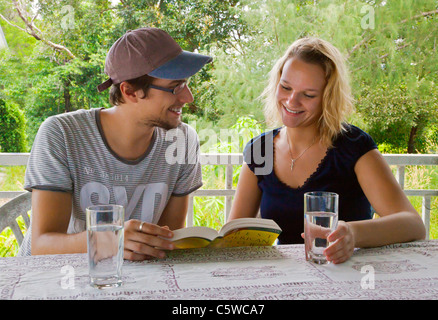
70 154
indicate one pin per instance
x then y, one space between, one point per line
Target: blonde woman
315 149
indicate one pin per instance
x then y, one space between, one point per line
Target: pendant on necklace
292 164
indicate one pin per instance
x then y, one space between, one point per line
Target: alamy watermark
368 20
68 19
227 143
68 280
368 280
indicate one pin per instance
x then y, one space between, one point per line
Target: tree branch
421 15
384 56
33 31
36 15
10 23
365 40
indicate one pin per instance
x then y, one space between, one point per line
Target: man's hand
145 240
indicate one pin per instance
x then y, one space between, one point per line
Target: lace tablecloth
400 271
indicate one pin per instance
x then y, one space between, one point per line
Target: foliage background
390 48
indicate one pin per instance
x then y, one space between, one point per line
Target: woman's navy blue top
335 173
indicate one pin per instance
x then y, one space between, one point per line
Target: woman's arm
398 222
246 201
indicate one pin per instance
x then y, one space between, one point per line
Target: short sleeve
48 167
190 177
247 155
356 143
258 153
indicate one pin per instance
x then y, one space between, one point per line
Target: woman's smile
300 92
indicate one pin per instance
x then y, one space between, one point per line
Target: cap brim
105 85
185 65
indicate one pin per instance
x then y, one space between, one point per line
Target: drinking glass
105 235
320 219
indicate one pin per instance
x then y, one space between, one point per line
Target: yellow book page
245 237
191 243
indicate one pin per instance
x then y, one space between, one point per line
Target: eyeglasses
178 89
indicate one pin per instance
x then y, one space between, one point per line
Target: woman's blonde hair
337 102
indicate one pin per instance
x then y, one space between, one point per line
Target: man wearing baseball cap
122 155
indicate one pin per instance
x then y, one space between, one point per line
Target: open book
236 233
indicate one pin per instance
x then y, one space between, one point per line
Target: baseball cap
150 51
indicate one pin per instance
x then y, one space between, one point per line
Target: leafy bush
8 244
386 147
12 128
399 116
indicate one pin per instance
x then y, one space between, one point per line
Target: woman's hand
144 240
342 243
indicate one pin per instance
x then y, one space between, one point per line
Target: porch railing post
400 176
425 214
228 186
189 220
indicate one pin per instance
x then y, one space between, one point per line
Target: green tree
397 119
74 37
12 128
197 25
394 67
390 47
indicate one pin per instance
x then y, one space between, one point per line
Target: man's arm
175 213
51 213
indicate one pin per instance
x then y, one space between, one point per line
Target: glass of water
320 219
105 235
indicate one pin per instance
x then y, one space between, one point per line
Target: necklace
290 152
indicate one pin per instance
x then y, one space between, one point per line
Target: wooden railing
229 160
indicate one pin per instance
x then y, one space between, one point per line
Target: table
399 271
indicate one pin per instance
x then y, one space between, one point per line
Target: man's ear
128 92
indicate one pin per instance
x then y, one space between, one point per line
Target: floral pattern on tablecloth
402 271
